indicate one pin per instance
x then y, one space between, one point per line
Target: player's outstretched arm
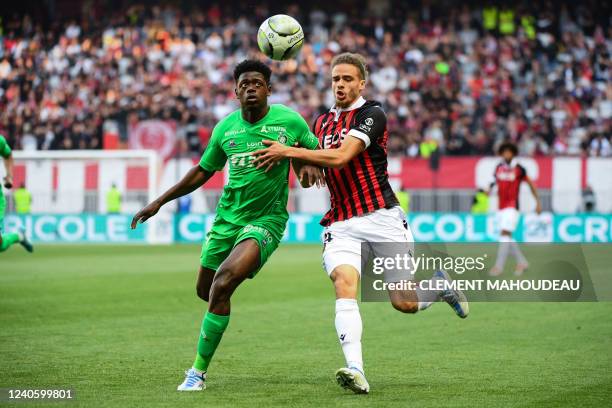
8 166
194 178
534 191
334 158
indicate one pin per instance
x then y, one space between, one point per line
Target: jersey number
242 160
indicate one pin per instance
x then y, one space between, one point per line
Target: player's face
252 90
346 84
507 155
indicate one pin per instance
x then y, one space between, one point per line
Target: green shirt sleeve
214 157
5 150
305 137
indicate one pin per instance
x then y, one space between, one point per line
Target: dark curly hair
252 66
508 146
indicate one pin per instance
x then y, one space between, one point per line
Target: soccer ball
280 37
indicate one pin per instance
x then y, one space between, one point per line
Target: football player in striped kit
364 209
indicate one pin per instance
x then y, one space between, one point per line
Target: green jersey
5 152
252 193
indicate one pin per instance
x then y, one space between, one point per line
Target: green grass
119 324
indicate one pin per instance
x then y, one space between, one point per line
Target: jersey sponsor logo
330 141
267 129
234 132
365 127
506 176
255 144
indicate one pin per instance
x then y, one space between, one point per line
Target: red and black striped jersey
362 186
508 178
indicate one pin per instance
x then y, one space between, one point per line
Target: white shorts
342 239
507 218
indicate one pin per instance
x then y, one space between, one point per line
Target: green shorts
224 236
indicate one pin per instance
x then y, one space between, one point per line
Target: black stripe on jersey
362 199
343 175
388 195
347 187
338 205
366 173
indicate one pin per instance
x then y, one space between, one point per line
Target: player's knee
224 280
405 306
344 283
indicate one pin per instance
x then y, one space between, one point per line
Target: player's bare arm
8 167
194 178
534 191
334 158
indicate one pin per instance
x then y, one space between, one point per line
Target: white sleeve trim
361 136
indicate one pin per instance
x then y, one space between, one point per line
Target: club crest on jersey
282 138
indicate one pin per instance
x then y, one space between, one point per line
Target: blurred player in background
364 208
252 213
508 177
8 239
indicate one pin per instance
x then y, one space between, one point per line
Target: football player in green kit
252 212
8 239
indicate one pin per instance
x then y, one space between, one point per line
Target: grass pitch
119 325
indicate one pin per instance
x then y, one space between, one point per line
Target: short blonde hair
354 59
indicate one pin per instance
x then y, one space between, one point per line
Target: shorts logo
267 236
327 237
342 336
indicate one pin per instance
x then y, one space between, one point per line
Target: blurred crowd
455 78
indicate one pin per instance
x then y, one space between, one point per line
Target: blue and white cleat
455 298
193 381
352 379
24 241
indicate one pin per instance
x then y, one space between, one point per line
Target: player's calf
204 283
404 301
221 291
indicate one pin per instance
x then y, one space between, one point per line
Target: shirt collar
512 163
357 104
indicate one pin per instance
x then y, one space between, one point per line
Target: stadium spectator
462 77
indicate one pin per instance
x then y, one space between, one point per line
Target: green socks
211 332
8 240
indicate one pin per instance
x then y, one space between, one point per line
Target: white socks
349 329
508 245
516 251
